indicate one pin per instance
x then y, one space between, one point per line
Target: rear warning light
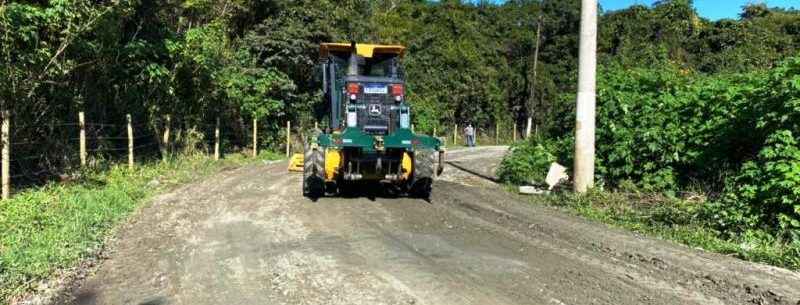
398 90
353 88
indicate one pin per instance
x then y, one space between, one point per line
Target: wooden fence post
216 141
255 137
455 135
165 140
288 138
496 133
5 115
130 141
82 125
515 132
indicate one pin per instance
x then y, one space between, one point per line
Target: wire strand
145 145
103 125
106 149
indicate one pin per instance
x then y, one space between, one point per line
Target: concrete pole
532 97
530 123
586 107
130 141
82 125
5 135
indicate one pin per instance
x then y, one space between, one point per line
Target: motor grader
369 139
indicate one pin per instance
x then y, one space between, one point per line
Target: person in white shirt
469 135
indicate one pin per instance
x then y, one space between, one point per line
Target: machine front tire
313 173
424 171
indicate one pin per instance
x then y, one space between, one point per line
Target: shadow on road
370 190
457 165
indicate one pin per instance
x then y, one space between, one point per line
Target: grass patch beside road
677 220
53 227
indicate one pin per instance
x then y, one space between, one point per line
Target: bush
527 162
766 192
663 130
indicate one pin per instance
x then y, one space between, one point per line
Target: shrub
663 130
766 192
527 162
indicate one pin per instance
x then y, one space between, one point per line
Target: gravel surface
247 236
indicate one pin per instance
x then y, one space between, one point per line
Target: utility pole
585 114
532 96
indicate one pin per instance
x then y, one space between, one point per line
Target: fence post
166 137
5 115
82 125
255 137
130 141
496 133
316 125
288 138
455 135
216 141
434 131
515 131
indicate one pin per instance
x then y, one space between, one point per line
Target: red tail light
353 88
398 90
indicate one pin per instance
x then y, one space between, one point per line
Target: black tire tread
313 172
424 172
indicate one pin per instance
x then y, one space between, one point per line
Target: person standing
469 135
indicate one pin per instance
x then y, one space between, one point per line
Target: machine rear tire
313 173
424 171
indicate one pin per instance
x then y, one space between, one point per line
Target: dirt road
246 236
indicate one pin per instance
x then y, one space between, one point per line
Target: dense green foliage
202 59
684 103
666 130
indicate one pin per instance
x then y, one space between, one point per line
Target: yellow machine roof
362 49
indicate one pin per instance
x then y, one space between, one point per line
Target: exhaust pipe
352 68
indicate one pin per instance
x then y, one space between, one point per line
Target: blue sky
711 9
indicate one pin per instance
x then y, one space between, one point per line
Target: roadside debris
532 190
555 176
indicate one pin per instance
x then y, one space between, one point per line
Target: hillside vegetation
714 119
202 59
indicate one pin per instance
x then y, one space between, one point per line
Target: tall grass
55 226
678 220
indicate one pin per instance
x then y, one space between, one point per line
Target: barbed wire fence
501 133
69 147
65 148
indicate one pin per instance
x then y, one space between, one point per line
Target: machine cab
364 85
